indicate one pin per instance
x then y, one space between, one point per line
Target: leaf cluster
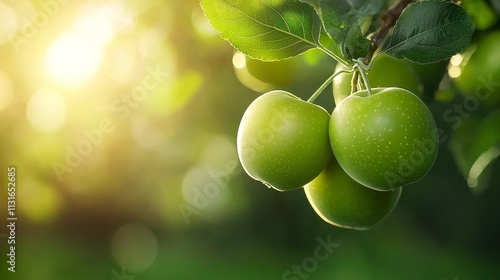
425 32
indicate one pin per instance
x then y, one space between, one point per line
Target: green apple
478 72
385 72
263 76
283 141
310 67
280 73
385 140
343 202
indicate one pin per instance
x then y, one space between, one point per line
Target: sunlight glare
101 23
77 54
73 59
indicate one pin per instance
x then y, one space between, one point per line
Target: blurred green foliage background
121 117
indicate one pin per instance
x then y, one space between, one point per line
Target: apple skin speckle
386 140
283 140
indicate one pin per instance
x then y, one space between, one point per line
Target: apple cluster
352 163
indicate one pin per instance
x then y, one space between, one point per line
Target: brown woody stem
388 20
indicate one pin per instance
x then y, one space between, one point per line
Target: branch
388 20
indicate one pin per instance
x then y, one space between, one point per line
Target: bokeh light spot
454 72
239 60
134 247
41 202
205 190
219 152
145 134
456 59
46 110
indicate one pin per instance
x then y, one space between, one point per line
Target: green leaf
328 43
356 44
314 3
429 31
265 29
343 20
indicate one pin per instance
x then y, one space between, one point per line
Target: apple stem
354 82
364 76
334 56
325 84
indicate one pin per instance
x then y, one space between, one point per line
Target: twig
388 20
